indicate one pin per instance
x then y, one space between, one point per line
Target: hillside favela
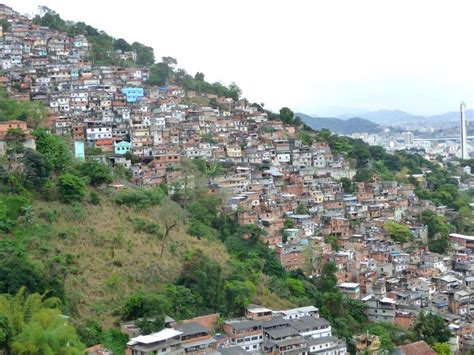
146 209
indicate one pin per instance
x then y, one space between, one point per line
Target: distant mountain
383 117
337 125
389 116
451 116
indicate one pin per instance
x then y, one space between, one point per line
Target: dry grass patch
108 259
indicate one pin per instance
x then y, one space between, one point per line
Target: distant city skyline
321 58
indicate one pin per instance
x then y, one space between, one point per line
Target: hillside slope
105 258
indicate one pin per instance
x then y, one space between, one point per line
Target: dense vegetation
33 324
164 72
32 112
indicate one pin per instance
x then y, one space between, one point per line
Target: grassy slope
107 260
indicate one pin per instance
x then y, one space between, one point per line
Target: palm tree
36 325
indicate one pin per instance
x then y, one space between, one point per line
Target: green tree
238 295
145 54
306 138
183 302
386 342
47 333
145 305
123 45
288 223
431 328
204 277
364 175
332 239
361 155
398 232
50 18
464 220
348 186
161 73
91 333
333 305
301 208
234 91
286 115
102 49
437 225
37 326
439 245
151 325
204 207
71 188
251 233
295 286
37 170
114 340
16 272
438 231
54 149
442 348
96 173
12 207
199 76
327 281
357 310
5 332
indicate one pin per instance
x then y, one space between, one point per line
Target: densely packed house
269 177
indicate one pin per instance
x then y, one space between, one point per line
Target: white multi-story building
98 133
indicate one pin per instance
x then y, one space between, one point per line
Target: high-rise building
464 154
408 138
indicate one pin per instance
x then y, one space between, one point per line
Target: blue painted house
133 94
122 147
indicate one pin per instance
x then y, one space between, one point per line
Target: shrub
94 198
96 172
71 188
11 208
140 197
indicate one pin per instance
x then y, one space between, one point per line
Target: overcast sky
318 57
